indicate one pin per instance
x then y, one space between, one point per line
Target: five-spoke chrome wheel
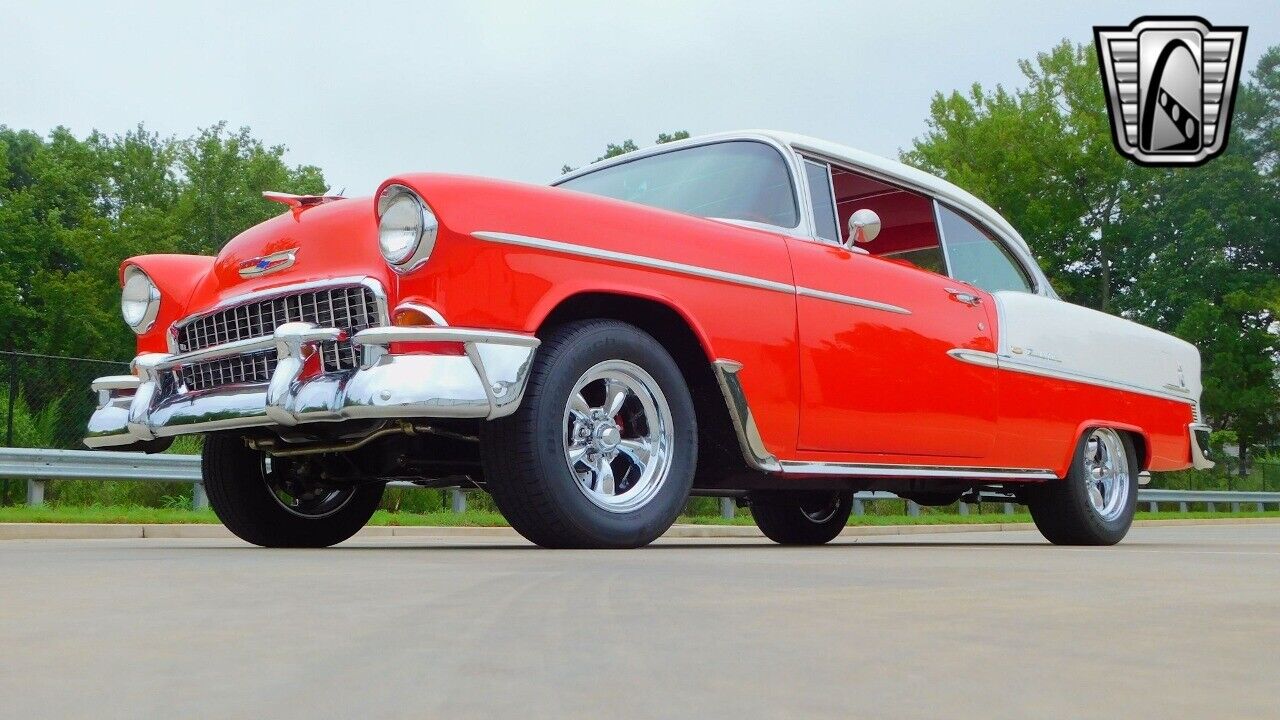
1106 473
618 435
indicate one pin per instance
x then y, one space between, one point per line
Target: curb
102 531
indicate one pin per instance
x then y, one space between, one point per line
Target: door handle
964 296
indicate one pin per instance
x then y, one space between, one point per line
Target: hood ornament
267 264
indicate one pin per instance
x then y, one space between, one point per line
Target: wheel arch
1141 441
718 450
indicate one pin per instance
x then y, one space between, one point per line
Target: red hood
333 240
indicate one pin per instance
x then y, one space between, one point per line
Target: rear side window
977 258
737 180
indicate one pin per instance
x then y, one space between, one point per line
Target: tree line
1194 252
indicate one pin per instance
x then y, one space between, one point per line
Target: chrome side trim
1014 365
629 259
801 467
975 357
851 300
682 268
744 424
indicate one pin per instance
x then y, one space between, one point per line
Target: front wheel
801 517
1094 505
602 451
277 502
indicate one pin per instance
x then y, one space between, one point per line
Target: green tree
1193 251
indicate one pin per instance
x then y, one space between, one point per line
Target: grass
481 518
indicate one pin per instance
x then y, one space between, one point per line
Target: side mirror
864 226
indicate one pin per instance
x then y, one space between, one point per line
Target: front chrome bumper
487 381
1200 446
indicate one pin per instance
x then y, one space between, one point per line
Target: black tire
1063 511
801 517
239 495
523 455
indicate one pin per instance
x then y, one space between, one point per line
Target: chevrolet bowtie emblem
254 267
1170 83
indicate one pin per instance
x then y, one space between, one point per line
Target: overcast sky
516 89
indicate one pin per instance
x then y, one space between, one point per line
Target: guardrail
39 465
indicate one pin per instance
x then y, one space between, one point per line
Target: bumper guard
487 382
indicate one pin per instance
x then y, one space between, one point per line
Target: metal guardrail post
728 508
1008 508
1211 507
962 508
458 500
199 500
913 509
1235 507
1153 506
859 507
1261 508
1182 506
35 492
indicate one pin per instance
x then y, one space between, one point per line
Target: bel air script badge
1170 83
253 267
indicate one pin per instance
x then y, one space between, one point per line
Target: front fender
177 277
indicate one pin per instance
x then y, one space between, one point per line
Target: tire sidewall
1111 531
613 341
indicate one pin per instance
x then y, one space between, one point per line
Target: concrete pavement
1176 622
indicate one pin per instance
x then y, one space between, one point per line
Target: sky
516 89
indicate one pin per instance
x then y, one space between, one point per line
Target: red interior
906 219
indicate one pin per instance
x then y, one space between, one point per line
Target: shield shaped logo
1170 84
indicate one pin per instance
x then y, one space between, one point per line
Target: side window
977 258
908 234
824 209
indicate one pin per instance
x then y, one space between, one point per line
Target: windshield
738 180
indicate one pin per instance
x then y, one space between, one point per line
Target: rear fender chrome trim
974 357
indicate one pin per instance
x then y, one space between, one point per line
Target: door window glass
908 234
977 258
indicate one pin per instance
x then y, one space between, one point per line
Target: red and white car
757 314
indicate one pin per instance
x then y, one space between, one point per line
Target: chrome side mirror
864 226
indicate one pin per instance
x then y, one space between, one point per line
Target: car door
879 327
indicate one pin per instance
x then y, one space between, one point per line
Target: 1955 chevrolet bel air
756 315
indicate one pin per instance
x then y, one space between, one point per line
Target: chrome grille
246 369
350 308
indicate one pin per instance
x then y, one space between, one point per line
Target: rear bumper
487 381
1200 446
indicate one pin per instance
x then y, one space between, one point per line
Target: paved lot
1176 622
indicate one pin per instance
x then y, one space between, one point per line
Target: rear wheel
276 502
602 451
801 517
1095 504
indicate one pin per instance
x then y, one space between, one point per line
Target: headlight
140 300
406 228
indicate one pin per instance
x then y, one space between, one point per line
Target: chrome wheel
305 499
820 509
1106 473
618 436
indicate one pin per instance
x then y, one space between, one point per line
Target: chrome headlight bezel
406 228
139 300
